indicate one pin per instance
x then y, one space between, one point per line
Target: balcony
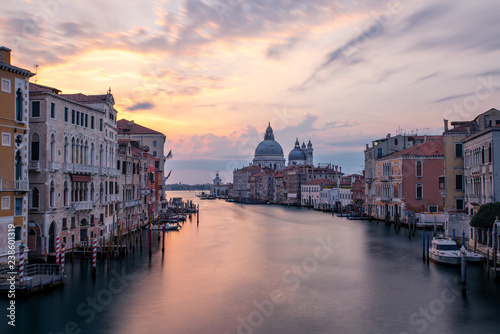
368 180
95 170
129 176
114 172
21 185
130 203
83 169
144 192
80 206
385 178
475 170
34 165
386 198
67 167
487 169
54 166
103 170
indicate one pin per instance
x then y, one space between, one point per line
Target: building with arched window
14 150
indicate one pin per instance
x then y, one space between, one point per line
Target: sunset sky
211 74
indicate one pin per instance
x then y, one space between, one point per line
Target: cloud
276 50
141 106
452 97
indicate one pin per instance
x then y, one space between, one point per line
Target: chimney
445 125
388 135
5 55
341 169
367 146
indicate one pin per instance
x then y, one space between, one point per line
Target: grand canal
267 269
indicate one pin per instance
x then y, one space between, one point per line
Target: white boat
167 227
445 251
470 256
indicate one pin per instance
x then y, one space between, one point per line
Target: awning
80 178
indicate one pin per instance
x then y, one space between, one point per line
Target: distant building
218 188
300 156
310 191
269 154
408 180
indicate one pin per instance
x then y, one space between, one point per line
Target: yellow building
14 187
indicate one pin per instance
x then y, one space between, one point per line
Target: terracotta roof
44 89
463 127
428 137
130 127
429 148
325 182
79 97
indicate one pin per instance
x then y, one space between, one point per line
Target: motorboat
168 227
470 256
445 251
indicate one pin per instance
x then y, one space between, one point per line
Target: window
154 143
154 153
35 198
459 182
53 110
458 150
73 224
73 116
418 168
379 152
17 233
395 141
65 114
419 191
6 139
100 124
5 202
19 105
82 119
459 204
77 118
6 86
86 120
18 209
433 208
35 147
489 153
91 122
35 109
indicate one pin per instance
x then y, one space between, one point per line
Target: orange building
14 96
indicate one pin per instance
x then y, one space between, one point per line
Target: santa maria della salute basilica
269 153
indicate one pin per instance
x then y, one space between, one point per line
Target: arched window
66 194
73 150
101 155
86 162
92 192
19 105
35 198
19 166
92 153
101 193
35 147
52 147
66 144
419 191
418 168
52 195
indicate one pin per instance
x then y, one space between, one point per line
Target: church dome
297 153
269 146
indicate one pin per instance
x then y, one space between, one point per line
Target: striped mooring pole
21 263
94 258
63 257
57 249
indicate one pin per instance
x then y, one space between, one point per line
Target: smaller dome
303 145
309 145
297 154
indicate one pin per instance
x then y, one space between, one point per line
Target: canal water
266 269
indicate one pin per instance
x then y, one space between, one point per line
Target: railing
103 170
385 177
67 167
114 172
21 185
77 168
487 168
84 205
34 165
129 176
386 198
54 165
475 170
368 180
115 197
95 170
130 203
42 269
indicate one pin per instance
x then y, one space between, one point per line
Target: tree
486 215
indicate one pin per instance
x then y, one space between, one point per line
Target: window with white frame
6 139
419 191
6 85
5 202
418 168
